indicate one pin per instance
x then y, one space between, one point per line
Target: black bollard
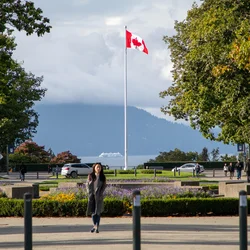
135 172
179 172
243 219
37 175
114 172
213 172
136 220
154 172
174 172
27 221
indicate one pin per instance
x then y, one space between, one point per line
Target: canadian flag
135 42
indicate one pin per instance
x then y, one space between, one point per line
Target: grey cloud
76 9
89 52
83 62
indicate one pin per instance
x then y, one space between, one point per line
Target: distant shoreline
118 162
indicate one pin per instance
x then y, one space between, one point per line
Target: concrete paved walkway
189 233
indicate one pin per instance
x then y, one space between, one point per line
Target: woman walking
96 184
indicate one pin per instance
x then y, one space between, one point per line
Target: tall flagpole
125 105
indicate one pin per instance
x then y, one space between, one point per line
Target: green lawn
165 174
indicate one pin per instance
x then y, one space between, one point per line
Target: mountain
89 130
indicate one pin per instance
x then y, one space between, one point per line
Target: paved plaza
213 233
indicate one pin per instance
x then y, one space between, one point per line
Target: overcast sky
82 58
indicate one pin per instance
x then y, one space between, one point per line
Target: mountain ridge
89 130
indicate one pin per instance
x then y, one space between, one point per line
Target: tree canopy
22 15
178 155
19 90
211 70
192 156
65 157
31 152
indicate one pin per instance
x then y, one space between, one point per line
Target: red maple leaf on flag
136 43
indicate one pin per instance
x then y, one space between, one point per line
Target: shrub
130 171
53 208
2 193
116 207
190 207
108 171
150 171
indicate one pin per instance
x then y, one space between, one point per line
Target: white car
75 169
188 167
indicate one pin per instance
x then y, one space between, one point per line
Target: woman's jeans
96 219
22 177
238 174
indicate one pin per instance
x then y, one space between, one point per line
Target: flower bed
156 179
149 192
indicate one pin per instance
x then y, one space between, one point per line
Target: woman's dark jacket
95 197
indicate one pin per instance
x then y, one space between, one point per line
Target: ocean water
118 162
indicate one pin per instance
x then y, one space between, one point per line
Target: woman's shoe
92 230
97 231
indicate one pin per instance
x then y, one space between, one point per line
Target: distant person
225 169
231 170
23 171
96 184
197 169
49 168
239 167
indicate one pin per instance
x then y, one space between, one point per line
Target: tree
22 15
51 153
30 152
18 90
176 155
18 119
210 53
215 154
65 157
203 156
227 158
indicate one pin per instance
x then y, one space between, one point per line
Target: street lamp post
7 159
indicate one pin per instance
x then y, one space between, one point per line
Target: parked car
75 169
188 167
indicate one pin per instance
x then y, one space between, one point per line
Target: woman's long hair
102 177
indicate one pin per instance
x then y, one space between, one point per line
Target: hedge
190 207
114 207
45 208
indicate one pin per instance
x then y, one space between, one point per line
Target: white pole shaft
125 106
